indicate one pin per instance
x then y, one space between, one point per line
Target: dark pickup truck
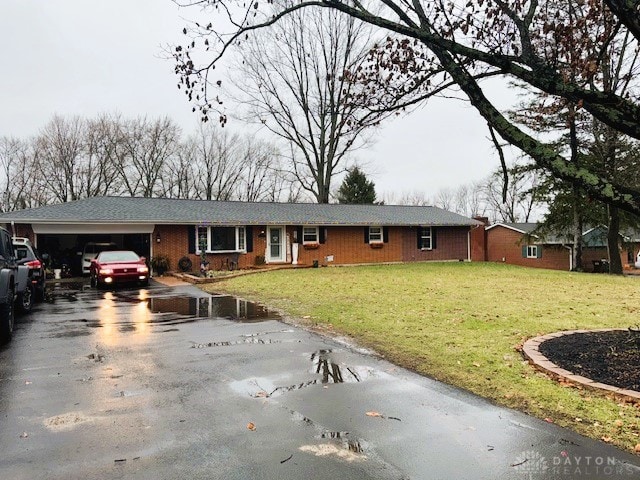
8 275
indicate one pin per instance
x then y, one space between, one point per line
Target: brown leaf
251 426
606 439
637 448
374 414
261 394
548 420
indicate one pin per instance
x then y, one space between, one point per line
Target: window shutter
385 234
299 236
419 235
191 233
248 238
321 234
433 238
366 234
524 251
539 251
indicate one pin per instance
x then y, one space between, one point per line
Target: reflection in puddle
212 307
326 364
138 310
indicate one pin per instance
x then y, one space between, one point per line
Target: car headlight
106 271
143 269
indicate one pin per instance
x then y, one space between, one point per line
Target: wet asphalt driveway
171 383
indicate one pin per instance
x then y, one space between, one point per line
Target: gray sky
85 57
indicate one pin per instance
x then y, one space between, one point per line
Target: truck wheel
25 299
6 317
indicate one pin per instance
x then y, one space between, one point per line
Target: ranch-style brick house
247 233
519 244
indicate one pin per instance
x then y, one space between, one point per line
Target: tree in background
74 158
356 188
435 45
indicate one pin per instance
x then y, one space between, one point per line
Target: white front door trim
276 246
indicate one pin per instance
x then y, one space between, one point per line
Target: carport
64 243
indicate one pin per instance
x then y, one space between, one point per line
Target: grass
463 322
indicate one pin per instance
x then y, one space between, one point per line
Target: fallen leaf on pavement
374 414
251 426
548 420
261 394
24 435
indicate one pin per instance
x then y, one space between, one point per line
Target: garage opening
60 249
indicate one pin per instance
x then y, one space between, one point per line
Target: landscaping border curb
531 351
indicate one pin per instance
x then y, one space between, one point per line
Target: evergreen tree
356 188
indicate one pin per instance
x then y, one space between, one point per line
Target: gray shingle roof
175 211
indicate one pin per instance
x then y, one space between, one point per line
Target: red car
118 266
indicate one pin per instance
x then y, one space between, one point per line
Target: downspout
469 245
570 248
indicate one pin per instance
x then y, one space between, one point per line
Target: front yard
463 323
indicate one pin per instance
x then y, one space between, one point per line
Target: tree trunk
613 241
577 240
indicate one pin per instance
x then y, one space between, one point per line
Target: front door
276 250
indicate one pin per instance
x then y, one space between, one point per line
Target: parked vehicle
28 256
91 250
638 260
118 266
25 294
8 273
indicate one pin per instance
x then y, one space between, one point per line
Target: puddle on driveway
327 367
133 310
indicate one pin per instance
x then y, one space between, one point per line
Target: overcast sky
85 57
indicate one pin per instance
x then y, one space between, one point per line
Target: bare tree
181 171
19 183
98 172
521 199
295 82
145 149
59 151
262 178
219 162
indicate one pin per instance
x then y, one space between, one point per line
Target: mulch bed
607 357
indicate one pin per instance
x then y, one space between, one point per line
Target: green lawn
462 323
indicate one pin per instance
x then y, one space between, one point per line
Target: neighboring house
518 244
247 233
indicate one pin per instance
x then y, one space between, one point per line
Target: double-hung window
310 235
375 235
532 251
221 239
425 238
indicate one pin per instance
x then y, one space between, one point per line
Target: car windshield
109 257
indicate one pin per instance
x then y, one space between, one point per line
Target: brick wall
479 241
451 244
345 244
505 245
23 230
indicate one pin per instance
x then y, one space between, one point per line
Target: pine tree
356 188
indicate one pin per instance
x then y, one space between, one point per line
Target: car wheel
94 281
7 318
25 300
